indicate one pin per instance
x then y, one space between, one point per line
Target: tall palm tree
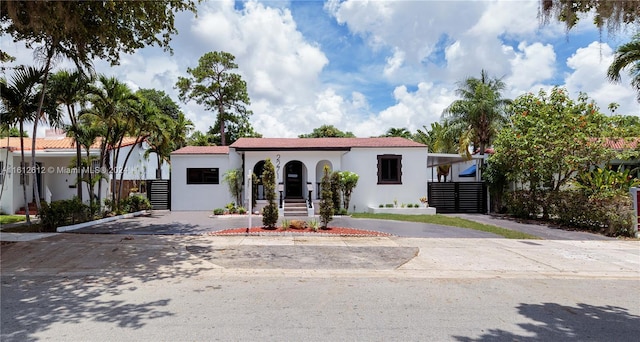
69 89
627 55
110 102
19 105
480 111
441 138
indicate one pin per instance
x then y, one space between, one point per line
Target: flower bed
338 231
403 211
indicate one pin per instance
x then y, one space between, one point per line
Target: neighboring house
389 169
54 171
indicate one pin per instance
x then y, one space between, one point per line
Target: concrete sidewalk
311 256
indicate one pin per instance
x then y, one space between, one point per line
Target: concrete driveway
202 222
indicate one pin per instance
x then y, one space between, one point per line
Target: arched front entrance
293 174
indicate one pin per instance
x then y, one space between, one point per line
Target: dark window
389 169
203 176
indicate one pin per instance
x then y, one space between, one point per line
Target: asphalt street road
95 287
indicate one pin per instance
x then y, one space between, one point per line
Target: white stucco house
56 179
389 169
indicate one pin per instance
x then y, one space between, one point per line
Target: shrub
218 211
137 203
63 212
326 198
381 206
242 210
270 211
342 211
389 205
231 207
298 224
313 224
285 224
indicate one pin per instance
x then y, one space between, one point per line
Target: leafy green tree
213 84
198 138
167 128
398 132
234 130
270 211
327 131
83 30
479 113
627 56
13 132
609 14
551 139
19 105
233 178
348 182
326 198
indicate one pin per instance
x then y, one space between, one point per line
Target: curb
103 220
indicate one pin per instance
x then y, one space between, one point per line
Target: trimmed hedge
610 213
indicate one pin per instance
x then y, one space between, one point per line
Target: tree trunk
50 52
223 138
23 175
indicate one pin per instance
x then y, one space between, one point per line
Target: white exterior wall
200 196
310 159
6 201
368 193
138 167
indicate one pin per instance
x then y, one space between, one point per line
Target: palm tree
69 89
441 138
479 112
627 55
110 101
19 105
398 132
47 112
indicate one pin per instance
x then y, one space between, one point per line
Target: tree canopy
82 30
609 14
327 131
213 85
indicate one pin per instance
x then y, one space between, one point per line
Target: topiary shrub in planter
270 211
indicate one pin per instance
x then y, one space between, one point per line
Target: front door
293 179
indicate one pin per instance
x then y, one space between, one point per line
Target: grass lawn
449 221
6 219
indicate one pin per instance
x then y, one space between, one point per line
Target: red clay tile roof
202 150
622 143
53 144
320 143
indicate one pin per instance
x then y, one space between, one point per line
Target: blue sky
367 66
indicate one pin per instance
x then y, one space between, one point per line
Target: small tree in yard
348 181
326 201
233 178
270 212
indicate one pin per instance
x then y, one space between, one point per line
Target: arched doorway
258 169
293 179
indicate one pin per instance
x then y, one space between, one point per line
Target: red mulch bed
338 231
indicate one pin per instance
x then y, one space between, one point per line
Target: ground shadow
100 285
555 322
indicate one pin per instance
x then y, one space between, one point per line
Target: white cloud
589 65
531 64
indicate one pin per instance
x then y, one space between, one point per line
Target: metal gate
159 193
458 197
